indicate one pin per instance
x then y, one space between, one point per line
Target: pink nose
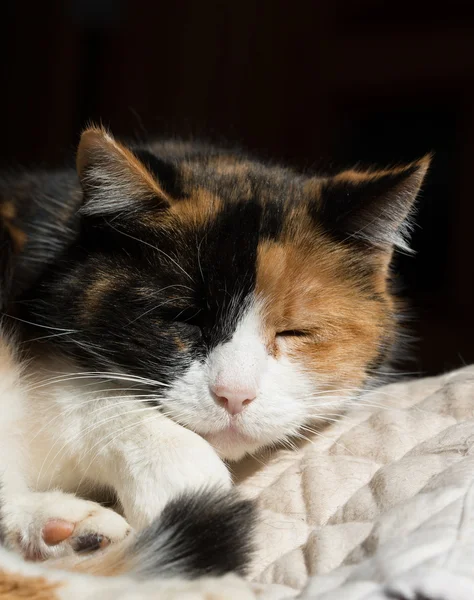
234 400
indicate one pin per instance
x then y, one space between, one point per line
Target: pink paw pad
56 531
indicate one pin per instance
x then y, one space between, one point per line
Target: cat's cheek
187 400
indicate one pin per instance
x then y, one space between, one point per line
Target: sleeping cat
166 307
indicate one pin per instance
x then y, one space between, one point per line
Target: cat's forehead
240 199
231 245
240 226
235 179
236 225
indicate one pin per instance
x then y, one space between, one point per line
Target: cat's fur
169 295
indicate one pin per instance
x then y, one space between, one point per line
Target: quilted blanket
378 505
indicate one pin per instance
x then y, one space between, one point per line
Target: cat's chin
231 444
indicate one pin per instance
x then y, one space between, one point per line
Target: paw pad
56 531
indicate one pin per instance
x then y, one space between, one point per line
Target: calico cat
168 307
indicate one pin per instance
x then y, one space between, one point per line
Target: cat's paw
185 464
45 525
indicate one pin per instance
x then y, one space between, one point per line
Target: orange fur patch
14 586
8 215
95 292
356 176
199 209
308 286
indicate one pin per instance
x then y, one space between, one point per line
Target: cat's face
251 297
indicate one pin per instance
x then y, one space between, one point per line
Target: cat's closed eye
293 333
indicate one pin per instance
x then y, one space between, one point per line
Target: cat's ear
113 179
372 206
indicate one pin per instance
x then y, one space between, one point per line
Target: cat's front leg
40 524
45 524
156 460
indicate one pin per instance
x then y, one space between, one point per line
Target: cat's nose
234 400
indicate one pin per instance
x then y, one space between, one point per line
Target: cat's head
254 297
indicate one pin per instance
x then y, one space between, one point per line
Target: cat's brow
154 248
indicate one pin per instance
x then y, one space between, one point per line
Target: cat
169 308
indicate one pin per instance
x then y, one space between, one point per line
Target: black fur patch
90 542
164 171
207 533
6 266
369 209
46 204
381 358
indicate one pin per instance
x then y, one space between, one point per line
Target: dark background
318 84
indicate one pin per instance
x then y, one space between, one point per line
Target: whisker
79 406
114 436
154 248
158 306
37 324
46 337
98 375
81 433
318 434
199 257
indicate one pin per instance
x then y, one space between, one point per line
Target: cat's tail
197 534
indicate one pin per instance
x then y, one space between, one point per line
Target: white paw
201 467
45 525
186 463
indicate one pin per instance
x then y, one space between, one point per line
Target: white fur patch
79 434
281 406
241 362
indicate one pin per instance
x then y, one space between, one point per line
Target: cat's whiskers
290 444
95 426
175 262
181 418
46 337
345 404
326 418
355 395
182 311
111 404
358 395
384 407
156 307
199 256
312 431
114 435
254 457
37 325
79 406
81 433
336 392
98 375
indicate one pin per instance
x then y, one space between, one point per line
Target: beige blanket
381 502
380 505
